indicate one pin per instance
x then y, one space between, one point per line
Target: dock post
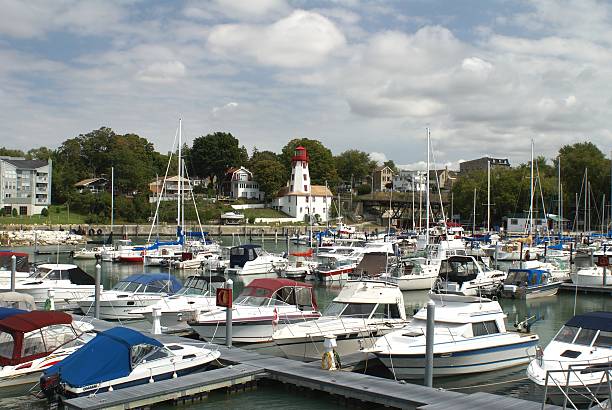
228 316
287 242
605 280
521 255
156 329
13 272
591 256
429 344
97 292
51 296
35 242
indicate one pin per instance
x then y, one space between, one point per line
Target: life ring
90 232
99 232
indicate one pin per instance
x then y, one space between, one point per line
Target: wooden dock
605 290
244 367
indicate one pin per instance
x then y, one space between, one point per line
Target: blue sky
486 76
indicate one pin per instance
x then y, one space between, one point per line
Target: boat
416 273
572 358
529 284
17 300
22 266
135 291
123 246
251 259
130 359
332 267
470 336
592 276
31 342
363 311
68 282
262 306
468 276
91 253
197 294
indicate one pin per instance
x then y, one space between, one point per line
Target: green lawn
54 217
262 213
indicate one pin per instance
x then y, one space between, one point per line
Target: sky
485 76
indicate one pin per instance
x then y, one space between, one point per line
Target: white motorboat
332 267
252 260
529 284
196 295
135 291
121 246
68 282
129 358
262 306
416 273
204 259
576 358
91 253
593 276
470 336
363 311
468 276
31 342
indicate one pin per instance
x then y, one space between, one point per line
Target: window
139 352
585 337
32 344
358 309
513 221
6 345
566 334
157 354
305 187
23 210
387 311
300 209
484 328
604 339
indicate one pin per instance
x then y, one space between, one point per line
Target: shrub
14 212
44 212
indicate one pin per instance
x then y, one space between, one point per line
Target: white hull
591 277
118 308
416 282
64 295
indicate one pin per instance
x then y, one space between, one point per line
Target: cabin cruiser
468 276
68 282
363 311
22 266
470 337
130 358
252 260
197 294
416 273
529 284
331 267
91 253
299 268
31 342
572 358
135 291
592 276
262 306
122 246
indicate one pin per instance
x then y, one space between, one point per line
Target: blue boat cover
148 278
7 312
558 247
592 320
105 357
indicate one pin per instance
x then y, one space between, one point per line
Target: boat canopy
29 335
120 347
372 264
239 255
21 260
592 320
154 282
530 276
285 290
73 273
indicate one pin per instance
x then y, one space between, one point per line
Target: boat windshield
585 337
567 334
6 345
361 310
196 286
258 301
127 286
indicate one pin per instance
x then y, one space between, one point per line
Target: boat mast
586 193
112 198
531 193
427 193
488 195
560 222
474 214
180 181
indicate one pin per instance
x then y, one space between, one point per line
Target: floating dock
245 367
605 290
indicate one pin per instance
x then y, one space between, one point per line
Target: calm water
551 313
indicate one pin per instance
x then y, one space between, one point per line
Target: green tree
321 163
213 154
262 155
391 164
11 152
354 164
270 174
41 153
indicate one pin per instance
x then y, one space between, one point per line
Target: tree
262 155
11 152
41 153
391 164
354 165
213 154
321 163
270 175
44 212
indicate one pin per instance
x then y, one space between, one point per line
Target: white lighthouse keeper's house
299 198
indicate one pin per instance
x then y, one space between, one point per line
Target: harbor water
549 314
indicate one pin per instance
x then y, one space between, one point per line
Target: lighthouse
300 177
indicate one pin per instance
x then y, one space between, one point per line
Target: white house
171 190
520 224
299 198
239 183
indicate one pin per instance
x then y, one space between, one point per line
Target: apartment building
25 185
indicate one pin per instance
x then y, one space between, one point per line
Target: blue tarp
592 320
8 312
105 357
146 278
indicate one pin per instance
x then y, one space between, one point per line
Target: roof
84 366
273 284
380 168
27 163
315 190
592 320
146 278
89 181
28 321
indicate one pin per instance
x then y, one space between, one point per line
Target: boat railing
562 383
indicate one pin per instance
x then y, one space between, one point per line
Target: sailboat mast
180 178
586 193
474 219
560 223
427 193
488 195
112 198
531 193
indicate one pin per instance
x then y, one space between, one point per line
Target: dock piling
429 344
156 328
97 292
228 316
13 272
51 296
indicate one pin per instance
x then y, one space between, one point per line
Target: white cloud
379 157
229 107
162 72
300 39
251 10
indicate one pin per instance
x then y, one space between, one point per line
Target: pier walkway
244 367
